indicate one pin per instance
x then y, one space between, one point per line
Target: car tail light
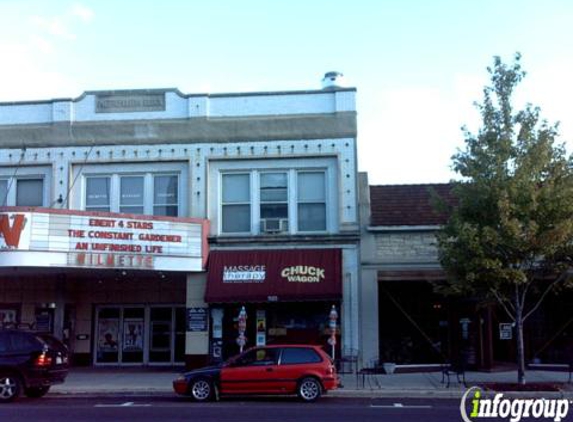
43 360
330 370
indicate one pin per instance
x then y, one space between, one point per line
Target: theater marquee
54 238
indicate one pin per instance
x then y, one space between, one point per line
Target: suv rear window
4 342
24 342
293 355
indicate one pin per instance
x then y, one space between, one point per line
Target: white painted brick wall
255 105
11 114
178 107
62 111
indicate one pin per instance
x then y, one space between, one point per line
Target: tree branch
504 305
563 275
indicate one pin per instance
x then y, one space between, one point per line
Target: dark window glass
3 192
4 342
98 193
165 195
294 355
24 342
131 195
30 192
258 357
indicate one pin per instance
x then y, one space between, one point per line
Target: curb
383 393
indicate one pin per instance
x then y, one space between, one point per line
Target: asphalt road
172 408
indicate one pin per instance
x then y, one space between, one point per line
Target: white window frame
328 165
250 203
147 170
288 188
13 174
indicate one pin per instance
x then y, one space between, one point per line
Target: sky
418 65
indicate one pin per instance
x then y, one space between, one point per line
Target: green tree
510 235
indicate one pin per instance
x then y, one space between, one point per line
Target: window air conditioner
274 225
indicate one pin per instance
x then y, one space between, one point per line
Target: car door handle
269 369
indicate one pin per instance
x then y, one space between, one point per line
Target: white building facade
114 203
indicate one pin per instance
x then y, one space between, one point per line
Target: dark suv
30 363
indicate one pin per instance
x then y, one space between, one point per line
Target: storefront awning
274 275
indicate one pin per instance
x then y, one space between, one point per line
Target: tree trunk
520 347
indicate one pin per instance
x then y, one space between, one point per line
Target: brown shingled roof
407 205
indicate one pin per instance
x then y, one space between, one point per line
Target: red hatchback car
288 369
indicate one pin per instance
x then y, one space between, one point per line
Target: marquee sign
54 238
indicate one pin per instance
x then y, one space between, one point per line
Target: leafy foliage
510 235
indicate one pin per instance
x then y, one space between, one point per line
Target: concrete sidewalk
139 381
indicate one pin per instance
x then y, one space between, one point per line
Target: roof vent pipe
333 80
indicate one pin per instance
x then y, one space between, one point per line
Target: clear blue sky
418 65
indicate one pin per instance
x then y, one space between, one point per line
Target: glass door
139 335
180 332
160 344
132 335
107 332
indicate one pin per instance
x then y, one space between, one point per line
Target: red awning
274 275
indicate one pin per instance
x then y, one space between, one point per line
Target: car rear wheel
309 389
10 387
36 392
201 389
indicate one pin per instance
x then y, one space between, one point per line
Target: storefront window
29 192
98 193
131 195
165 195
311 201
236 207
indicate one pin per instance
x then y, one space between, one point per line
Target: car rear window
24 342
293 355
4 342
52 342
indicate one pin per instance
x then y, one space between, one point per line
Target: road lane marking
400 406
126 404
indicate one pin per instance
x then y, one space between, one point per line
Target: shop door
160 336
132 335
107 335
120 335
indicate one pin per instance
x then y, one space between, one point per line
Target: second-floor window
274 195
98 193
263 201
152 194
236 203
24 187
311 201
132 188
